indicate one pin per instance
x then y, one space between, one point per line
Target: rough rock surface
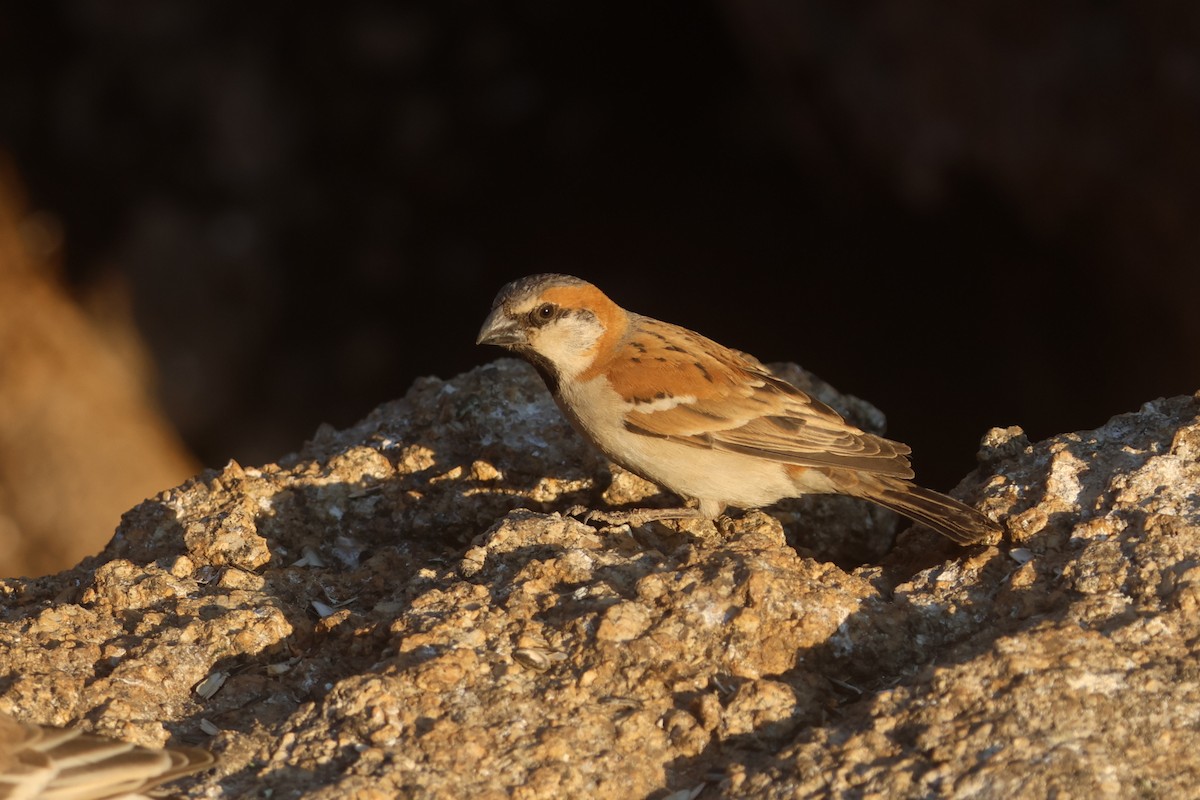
399 611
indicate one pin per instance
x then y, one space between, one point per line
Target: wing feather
739 406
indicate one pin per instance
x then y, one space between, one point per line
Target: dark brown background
971 216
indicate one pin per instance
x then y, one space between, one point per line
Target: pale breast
720 477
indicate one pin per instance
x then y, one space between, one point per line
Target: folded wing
734 404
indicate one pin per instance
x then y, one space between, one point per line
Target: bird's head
559 323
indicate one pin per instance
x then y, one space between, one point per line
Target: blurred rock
80 437
400 610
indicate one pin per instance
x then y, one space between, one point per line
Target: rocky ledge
399 610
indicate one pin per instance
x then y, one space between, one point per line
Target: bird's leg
636 516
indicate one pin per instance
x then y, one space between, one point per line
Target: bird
707 422
39 761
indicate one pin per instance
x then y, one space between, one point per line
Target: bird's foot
726 526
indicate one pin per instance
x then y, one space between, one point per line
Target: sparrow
711 424
40 761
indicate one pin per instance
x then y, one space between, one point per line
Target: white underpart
715 478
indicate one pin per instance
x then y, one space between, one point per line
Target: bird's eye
543 313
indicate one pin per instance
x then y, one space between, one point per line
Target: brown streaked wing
742 408
38 761
655 354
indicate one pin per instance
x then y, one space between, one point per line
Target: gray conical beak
501 330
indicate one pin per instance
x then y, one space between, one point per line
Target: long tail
947 516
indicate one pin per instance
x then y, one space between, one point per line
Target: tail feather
954 520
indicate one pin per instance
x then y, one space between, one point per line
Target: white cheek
569 345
